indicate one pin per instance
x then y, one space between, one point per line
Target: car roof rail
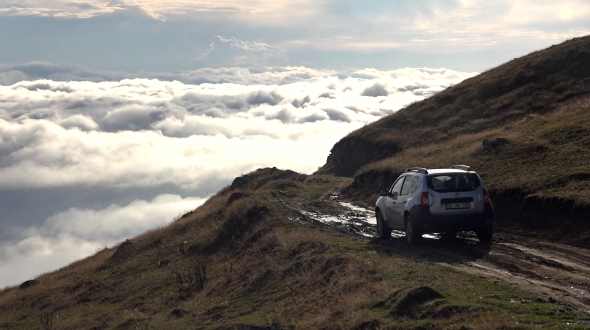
416 169
461 167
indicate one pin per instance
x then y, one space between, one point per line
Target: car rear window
453 182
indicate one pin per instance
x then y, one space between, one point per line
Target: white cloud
375 90
428 26
247 10
256 46
59 8
242 52
478 24
39 154
531 11
115 223
262 75
76 233
351 26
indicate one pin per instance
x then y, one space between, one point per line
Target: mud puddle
355 219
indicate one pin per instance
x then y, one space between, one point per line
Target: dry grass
545 155
261 269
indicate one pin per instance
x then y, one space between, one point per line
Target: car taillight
424 199
486 196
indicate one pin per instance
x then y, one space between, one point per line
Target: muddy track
557 272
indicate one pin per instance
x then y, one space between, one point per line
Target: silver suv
444 201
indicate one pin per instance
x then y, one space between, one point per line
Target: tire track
557 272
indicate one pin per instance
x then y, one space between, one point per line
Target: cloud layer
76 233
149 137
70 133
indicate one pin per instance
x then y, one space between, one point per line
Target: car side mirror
383 193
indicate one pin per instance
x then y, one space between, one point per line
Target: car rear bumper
426 222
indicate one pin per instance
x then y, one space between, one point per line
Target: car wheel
382 231
413 236
485 234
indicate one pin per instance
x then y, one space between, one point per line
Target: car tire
485 234
383 232
413 236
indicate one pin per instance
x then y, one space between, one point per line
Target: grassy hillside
524 126
238 261
542 155
544 82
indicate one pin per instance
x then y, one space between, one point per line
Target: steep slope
535 84
238 262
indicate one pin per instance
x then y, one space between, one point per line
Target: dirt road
557 272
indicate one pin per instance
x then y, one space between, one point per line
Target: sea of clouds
88 159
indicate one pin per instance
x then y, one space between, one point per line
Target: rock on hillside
260 177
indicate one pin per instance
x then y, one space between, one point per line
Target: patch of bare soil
558 272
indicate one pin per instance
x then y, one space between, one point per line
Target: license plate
457 206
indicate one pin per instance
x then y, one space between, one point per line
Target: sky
117 117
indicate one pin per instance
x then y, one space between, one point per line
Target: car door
399 207
391 202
